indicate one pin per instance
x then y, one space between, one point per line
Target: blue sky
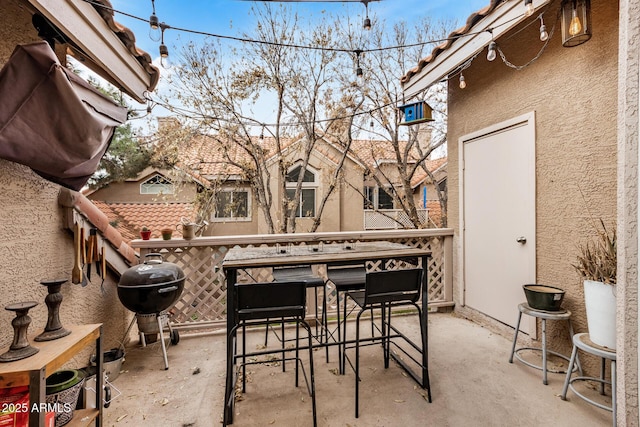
230 17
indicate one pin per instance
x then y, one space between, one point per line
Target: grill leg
164 347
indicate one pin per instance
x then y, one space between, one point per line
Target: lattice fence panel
204 295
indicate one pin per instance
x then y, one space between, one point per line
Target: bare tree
386 56
220 94
311 95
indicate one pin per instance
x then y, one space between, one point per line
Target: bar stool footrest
585 398
540 368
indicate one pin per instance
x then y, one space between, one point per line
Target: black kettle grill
148 289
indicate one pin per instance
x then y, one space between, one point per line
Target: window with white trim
307 203
157 184
378 198
233 204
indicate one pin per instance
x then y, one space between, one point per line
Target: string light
528 4
294 46
491 52
544 36
154 24
367 22
359 73
463 84
164 51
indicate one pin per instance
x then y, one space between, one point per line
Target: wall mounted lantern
576 22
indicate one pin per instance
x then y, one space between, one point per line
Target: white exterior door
498 217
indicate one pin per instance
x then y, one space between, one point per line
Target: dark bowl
543 297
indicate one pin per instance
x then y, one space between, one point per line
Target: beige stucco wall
34 245
573 92
344 208
129 192
628 138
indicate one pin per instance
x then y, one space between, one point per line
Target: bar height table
265 257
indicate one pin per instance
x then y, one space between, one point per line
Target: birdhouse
417 112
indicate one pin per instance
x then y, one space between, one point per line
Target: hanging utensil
103 268
83 257
91 250
76 273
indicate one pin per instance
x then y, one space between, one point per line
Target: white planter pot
600 302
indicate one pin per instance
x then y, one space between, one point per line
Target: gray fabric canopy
51 119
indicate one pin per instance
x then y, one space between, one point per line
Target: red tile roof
435 213
129 218
432 165
126 36
471 21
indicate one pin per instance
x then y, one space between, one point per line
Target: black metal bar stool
562 314
584 343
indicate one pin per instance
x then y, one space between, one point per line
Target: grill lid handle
148 259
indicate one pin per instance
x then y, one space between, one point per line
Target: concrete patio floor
472 383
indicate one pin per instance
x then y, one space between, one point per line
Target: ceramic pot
600 303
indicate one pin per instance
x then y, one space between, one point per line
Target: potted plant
166 233
597 266
145 233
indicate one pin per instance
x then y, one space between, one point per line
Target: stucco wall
628 136
574 94
129 192
343 209
34 245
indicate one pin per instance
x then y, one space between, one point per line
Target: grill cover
51 119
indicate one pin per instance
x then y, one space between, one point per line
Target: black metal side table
544 315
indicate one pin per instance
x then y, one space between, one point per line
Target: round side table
544 315
584 343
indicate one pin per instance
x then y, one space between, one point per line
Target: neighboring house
358 202
37 243
153 199
542 149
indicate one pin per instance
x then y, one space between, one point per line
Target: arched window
157 184
307 202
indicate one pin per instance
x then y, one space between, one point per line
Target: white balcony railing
203 301
391 219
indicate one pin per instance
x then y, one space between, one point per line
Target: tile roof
432 165
126 36
129 218
206 156
435 212
471 21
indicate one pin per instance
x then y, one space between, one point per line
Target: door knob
521 239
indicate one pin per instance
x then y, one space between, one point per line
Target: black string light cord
290 45
356 52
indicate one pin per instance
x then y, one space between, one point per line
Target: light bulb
529 7
463 84
154 28
575 27
491 53
544 36
367 24
164 51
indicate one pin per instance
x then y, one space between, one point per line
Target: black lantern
576 22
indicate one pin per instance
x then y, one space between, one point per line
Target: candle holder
54 329
20 348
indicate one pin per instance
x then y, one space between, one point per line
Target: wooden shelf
52 355
34 370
